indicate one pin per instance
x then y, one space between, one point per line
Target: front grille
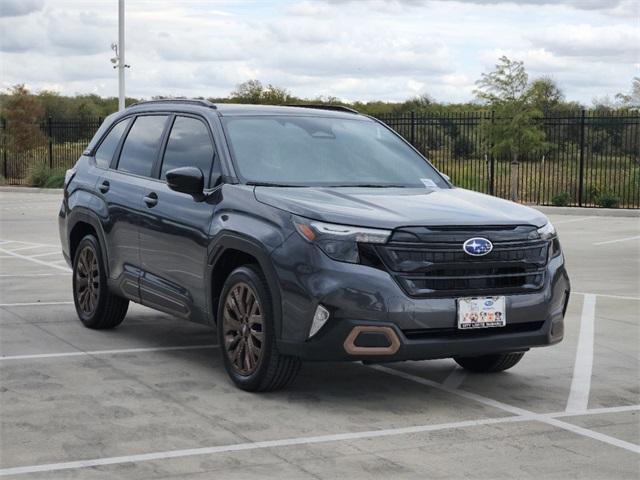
426 333
430 262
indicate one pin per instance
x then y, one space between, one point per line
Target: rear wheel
96 306
246 334
490 363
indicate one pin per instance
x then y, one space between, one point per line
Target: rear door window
107 148
189 145
142 144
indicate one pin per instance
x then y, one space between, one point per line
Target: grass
612 181
44 177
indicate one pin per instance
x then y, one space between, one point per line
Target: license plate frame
481 312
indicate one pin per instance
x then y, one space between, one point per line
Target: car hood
396 207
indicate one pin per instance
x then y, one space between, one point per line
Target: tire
246 334
96 306
490 363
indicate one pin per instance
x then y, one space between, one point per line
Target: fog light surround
319 319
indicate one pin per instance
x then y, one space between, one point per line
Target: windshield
317 151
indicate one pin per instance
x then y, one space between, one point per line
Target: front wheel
246 334
490 363
96 306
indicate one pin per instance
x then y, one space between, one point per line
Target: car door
122 188
174 228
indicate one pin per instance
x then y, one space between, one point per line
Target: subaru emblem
477 247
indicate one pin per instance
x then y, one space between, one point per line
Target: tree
252 91
516 126
23 113
545 94
631 99
507 83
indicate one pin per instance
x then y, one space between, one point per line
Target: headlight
547 232
339 242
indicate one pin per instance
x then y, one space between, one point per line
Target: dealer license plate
481 312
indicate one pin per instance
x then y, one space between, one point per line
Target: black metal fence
590 158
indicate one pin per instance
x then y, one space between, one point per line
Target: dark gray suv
304 233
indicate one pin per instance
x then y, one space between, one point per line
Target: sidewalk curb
589 212
16 189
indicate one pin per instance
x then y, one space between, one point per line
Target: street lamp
118 60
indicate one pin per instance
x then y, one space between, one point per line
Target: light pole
118 60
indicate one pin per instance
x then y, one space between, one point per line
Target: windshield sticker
429 183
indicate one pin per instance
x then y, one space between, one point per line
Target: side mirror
189 180
446 177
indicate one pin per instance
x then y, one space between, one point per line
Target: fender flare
236 241
82 214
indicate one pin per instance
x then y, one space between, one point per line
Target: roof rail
337 108
188 101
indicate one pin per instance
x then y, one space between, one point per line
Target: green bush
56 180
43 177
561 200
608 200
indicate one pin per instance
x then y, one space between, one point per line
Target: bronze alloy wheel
243 329
87 280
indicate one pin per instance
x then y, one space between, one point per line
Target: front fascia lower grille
437 266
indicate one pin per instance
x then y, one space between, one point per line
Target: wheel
490 363
96 306
246 334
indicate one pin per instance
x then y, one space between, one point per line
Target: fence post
49 132
492 166
5 169
581 179
515 176
413 128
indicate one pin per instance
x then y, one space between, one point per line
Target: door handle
104 186
151 199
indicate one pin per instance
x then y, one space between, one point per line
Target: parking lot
150 399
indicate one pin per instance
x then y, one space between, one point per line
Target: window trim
165 141
116 160
116 152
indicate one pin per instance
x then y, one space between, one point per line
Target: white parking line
106 352
27 275
28 247
35 260
145 457
617 240
5 241
619 297
57 252
573 220
581 381
51 467
520 412
33 304
455 378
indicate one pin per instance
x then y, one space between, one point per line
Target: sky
351 49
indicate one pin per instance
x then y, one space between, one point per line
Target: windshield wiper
369 185
270 184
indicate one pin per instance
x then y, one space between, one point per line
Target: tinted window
189 145
141 145
319 151
107 148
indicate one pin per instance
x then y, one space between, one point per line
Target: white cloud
387 50
16 8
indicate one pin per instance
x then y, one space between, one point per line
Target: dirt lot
151 399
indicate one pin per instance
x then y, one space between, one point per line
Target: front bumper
362 296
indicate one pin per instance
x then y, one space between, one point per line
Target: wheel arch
231 251
83 222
